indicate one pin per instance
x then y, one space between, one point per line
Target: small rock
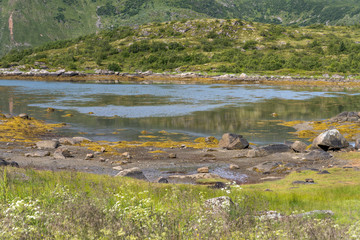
50 144
172 155
23 116
133 173
62 153
298 146
324 172
203 170
38 154
102 159
317 155
162 180
103 149
126 155
118 168
256 152
49 109
89 156
218 185
234 166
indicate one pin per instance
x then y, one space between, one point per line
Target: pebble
234 166
103 149
172 155
89 156
203 170
118 168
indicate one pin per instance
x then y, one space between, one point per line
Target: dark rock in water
298 146
324 172
133 173
346 117
330 140
276 148
162 180
317 155
232 141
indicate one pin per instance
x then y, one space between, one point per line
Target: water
122 111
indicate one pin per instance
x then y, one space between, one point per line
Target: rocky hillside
32 23
206 45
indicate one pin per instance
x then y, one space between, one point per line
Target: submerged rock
330 140
232 141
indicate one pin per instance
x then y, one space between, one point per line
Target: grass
73 205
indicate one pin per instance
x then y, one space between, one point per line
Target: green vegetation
208 45
64 19
70 205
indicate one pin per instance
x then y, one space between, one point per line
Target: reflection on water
122 111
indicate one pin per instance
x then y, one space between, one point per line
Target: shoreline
109 77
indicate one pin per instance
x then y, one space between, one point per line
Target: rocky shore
148 77
207 161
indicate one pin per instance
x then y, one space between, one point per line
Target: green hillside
36 22
206 45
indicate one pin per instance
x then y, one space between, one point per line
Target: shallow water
122 111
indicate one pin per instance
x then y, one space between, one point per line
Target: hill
207 45
32 23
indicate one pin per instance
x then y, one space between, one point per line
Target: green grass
72 205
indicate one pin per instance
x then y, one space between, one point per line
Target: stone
269 167
219 205
276 148
66 141
80 140
195 176
162 180
103 149
357 144
6 163
118 168
346 117
324 172
317 155
126 155
233 166
50 144
62 153
232 141
218 185
133 173
299 146
330 140
89 156
203 170
38 154
256 152
23 116
172 155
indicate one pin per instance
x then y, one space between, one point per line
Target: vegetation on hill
37 22
207 45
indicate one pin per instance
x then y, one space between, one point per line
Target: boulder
50 144
233 166
133 173
172 155
23 116
317 155
330 140
298 146
62 153
232 141
346 117
89 156
256 152
357 144
276 148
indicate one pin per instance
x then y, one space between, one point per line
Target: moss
157 151
24 130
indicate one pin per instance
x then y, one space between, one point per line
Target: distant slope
38 21
205 45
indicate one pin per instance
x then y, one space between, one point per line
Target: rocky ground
231 160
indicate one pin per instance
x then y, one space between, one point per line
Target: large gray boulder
330 140
232 141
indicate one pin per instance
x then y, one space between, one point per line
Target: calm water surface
122 111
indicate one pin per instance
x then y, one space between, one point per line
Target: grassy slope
62 19
209 45
65 205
